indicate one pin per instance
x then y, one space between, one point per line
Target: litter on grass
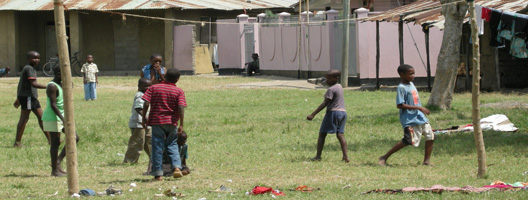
173 193
497 122
222 189
111 190
263 190
497 185
304 188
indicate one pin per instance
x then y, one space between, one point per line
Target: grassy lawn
241 138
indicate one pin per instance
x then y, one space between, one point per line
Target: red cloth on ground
262 190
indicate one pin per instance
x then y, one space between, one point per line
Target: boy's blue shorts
334 122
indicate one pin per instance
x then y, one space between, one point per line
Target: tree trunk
448 59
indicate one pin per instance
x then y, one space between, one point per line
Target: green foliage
241 138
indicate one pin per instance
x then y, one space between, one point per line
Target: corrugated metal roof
30 5
429 11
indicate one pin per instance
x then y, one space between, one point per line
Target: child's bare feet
185 172
426 163
382 161
59 168
57 173
18 145
158 178
346 160
316 159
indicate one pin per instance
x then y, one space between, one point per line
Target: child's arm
35 84
144 114
317 110
409 107
181 112
96 79
51 91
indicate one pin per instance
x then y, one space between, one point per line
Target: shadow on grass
461 143
24 175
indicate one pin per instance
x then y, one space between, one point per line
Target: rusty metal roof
429 11
32 5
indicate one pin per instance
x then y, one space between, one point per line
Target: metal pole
400 35
377 55
71 146
426 29
346 45
299 42
308 52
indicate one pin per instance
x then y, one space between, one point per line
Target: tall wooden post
400 39
346 44
67 86
477 131
377 55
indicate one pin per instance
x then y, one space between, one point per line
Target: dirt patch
507 105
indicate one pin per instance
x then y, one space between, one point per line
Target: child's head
33 58
254 56
57 72
156 58
406 73
7 69
172 75
182 139
144 84
332 76
89 59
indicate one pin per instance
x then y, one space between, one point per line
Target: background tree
454 12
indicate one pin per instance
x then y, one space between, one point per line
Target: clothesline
505 26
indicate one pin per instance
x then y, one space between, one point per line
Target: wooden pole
377 55
67 86
426 29
346 45
477 131
400 38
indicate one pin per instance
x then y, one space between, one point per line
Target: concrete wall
389 50
98 39
8 44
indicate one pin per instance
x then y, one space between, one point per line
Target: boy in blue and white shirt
412 117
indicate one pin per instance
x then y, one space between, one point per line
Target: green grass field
241 138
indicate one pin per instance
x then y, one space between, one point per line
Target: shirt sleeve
138 103
82 68
181 99
147 95
31 75
400 96
329 94
96 69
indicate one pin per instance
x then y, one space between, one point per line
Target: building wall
8 44
98 39
389 49
32 36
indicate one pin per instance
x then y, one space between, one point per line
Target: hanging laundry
478 18
486 14
521 23
494 25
